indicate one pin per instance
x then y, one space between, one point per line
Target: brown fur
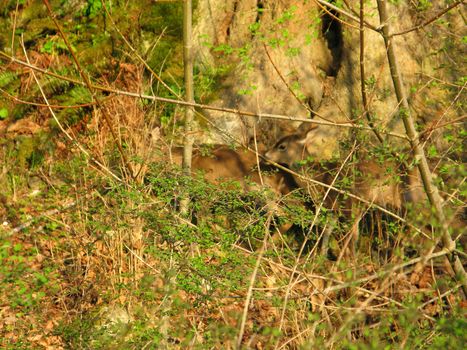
241 165
373 181
226 164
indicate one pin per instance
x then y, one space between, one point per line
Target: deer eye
282 147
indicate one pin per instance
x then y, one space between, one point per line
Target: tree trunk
189 95
418 152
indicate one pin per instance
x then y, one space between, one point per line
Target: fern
6 78
74 96
80 94
53 86
21 110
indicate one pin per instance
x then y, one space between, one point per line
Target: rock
268 42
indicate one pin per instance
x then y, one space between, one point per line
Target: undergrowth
90 260
119 268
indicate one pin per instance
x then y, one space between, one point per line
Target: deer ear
306 136
305 127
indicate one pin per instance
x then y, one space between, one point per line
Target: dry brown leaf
24 127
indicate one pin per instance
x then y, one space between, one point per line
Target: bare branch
302 248
432 19
132 49
325 9
366 110
189 97
88 84
81 105
281 76
198 105
345 13
62 129
249 294
419 154
13 32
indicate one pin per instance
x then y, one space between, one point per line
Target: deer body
374 182
225 164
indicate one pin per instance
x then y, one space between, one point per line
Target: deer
223 163
374 182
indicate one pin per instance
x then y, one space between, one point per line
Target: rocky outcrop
297 57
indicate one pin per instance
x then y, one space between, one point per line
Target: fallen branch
29 222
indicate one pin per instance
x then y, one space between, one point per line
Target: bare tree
189 95
418 152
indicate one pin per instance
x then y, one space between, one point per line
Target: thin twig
90 88
432 19
349 194
249 294
229 110
29 222
442 125
13 32
302 248
201 106
418 151
355 284
369 25
389 270
440 80
18 100
325 9
62 129
345 13
366 110
308 179
352 315
134 52
432 128
281 76
141 259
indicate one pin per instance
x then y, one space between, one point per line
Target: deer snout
270 156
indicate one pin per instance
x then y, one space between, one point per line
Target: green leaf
3 113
